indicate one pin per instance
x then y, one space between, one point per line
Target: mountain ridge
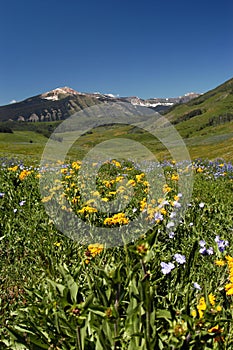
59 103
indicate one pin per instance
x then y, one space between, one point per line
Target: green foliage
58 294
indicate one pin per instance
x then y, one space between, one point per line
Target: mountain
60 103
209 110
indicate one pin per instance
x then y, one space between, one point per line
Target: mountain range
60 103
204 121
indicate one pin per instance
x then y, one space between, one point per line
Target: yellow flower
87 209
199 170
229 289
46 199
211 299
215 329
57 244
131 182
219 262
166 189
194 313
117 164
139 177
163 211
175 177
201 307
15 168
119 218
143 204
76 165
24 174
218 308
95 249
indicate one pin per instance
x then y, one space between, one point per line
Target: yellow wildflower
201 307
87 209
46 199
24 174
95 249
229 289
15 168
219 262
175 177
163 211
194 313
166 189
211 299
119 218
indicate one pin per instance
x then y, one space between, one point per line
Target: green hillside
205 113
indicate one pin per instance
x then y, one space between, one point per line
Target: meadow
168 287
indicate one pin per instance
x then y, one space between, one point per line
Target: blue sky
132 48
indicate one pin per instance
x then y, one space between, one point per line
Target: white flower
196 286
170 224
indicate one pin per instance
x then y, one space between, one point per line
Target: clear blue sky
144 48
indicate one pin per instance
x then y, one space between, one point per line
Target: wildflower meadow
167 287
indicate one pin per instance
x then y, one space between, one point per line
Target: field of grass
210 142
166 287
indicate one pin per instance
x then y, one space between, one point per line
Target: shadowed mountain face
60 103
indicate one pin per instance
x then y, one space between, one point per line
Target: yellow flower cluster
140 177
119 218
95 249
14 168
24 174
76 165
87 210
166 188
202 306
229 286
117 164
175 177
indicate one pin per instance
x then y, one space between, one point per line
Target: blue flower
158 216
167 267
171 234
2 194
210 251
221 243
196 286
180 258
202 243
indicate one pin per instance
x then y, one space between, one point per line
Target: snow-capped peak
54 94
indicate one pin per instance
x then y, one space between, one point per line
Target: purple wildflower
167 267
221 243
180 258
196 286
